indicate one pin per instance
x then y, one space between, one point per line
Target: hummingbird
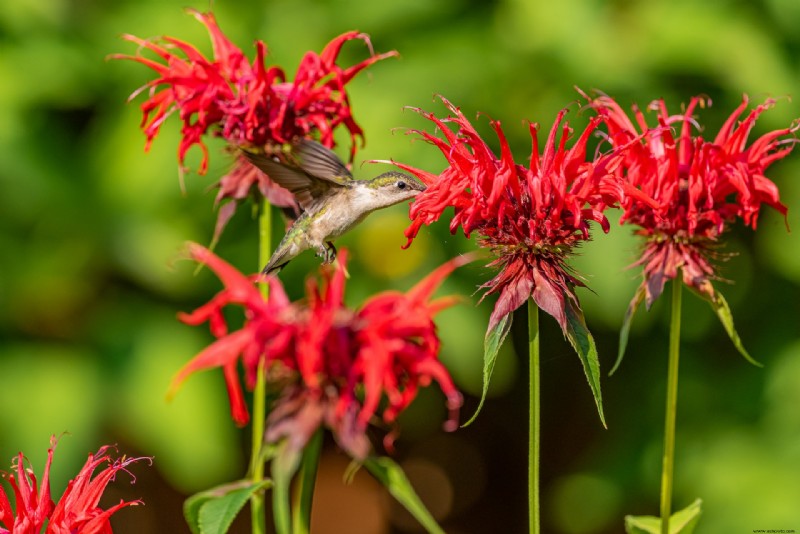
332 202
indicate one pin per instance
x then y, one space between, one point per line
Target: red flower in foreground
76 511
249 105
323 355
531 218
697 187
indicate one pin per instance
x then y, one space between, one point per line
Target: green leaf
723 311
681 522
283 467
212 511
306 483
583 343
191 510
626 326
392 477
491 345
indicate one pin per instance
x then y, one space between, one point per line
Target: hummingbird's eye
401 184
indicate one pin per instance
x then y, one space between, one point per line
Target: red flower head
249 105
76 511
529 217
323 354
696 186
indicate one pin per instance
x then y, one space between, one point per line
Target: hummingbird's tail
269 268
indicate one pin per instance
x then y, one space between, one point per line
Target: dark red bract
323 355
531 217
696 187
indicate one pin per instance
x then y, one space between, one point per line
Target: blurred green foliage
91 230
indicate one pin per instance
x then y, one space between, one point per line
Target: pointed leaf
212 511
392 477
583 343
306 483
217 515
723 311
191 510
283 467
491 345
626 326
681 522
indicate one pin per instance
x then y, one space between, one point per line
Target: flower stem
304 494
257 509
535 418
672 401
264 241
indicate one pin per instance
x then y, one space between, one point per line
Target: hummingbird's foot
330 252
327 252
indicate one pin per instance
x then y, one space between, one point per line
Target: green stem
264 241
672 401
534 437
304 495
257 509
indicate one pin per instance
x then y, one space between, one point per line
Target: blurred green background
91 228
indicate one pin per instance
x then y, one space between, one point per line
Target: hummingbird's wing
320 162
309 171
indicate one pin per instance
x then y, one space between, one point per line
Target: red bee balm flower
76 511
324 355
695 189
247 104
531 217
698 186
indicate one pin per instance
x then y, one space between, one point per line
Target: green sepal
681 522
626 326
212 511
491 346
391 475
582 341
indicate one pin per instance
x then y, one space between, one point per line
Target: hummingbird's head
390 188
397 183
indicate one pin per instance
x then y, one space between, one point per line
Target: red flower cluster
252 105
530 217
695 187
247 104
76 511
324 354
